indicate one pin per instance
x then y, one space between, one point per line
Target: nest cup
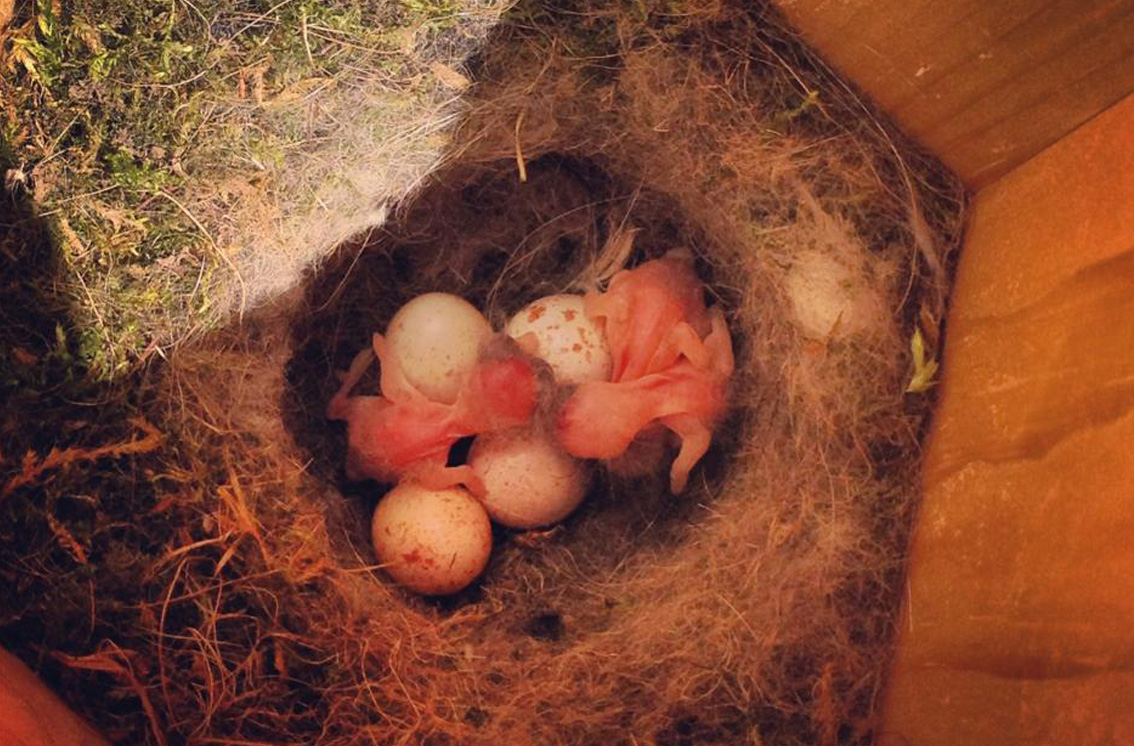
501 243
759 604
758 607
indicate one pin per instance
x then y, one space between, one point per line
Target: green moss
119 111
439 13
135 174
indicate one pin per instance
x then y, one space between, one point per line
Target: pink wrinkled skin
672 363
403 435
653 314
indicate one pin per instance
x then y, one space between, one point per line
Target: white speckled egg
434 542
571 343
436 338
832 296
529 480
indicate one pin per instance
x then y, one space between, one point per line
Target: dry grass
756 609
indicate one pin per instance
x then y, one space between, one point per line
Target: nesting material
759 606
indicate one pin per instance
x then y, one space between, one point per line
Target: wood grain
985 84
1019 623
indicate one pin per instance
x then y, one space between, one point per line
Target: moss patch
170 145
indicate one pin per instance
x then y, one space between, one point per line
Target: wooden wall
1019 625
985 84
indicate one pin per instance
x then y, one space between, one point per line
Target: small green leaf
809 101
924 370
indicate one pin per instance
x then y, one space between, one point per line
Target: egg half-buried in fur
529 480
565 337
434 542
833 296
436 338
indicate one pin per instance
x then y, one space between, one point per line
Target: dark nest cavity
500 243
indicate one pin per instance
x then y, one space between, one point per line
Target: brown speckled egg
434 542
436 338
529 480
571 343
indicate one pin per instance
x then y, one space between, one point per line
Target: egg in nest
557 329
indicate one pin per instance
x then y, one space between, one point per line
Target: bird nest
240 602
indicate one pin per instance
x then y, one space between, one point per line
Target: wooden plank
1019 625
31 715
1049 248
985 84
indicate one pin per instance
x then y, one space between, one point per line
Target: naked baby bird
672 361
401 434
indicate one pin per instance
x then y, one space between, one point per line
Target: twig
114 660
161 636
303 30
67 540
262 17
30 471
523 169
